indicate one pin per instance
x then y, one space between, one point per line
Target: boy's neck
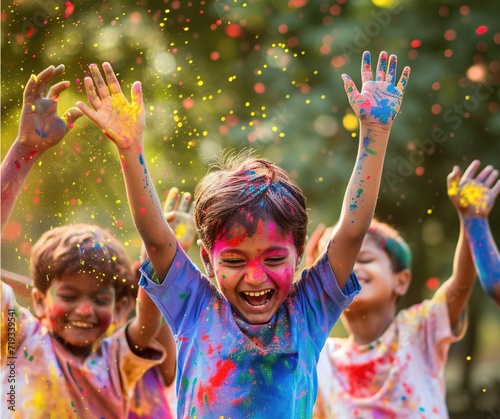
76 351
366 326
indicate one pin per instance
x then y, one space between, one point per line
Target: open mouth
257 298
81 325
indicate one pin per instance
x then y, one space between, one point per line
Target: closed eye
232 262
275 260
365 260
67 298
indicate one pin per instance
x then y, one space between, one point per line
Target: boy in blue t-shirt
249 348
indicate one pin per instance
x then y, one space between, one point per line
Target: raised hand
178 211
40 126
120 120
379 101
473 196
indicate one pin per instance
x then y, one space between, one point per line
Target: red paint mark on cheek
57 315
284 278
57 311
105 321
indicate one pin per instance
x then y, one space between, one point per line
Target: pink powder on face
275 234
57 313
235 237
258 270
231 237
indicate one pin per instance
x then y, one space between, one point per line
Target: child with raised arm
392 364
477 199
56 364
154 394
249 348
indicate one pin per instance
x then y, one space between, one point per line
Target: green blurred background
266 74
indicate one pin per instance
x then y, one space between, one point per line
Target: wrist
470 221
126 144
131 149
24 151
375 127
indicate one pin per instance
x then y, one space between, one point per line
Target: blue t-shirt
228 368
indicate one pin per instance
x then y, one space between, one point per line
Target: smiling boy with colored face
250 349
62 364
255 273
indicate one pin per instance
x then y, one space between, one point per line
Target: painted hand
379 101
40 125
120 120
178 211
473 196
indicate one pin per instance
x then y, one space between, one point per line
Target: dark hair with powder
393 244
244 190
80 248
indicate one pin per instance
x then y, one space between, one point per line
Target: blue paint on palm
384 112
393 90
41 133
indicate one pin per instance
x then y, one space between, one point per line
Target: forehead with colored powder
266 230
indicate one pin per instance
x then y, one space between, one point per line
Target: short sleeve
182 295
131 366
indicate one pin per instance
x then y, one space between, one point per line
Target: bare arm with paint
123 122
40 128
178 209
145 325
473 197
376 106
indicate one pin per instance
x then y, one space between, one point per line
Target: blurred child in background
57 364
391 365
